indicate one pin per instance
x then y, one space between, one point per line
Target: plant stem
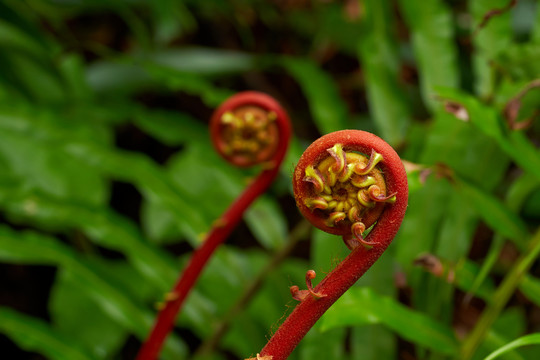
500 298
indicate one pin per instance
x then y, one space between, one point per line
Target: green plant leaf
131 75
424 218
154 184
488 41
100 334
91 280
535 35
31 161
193 84
35 335
531 339
431 26
329 22
323 345
170 128
467 274
456 229
117 78
72 70
516 196
76 148
495 213
267 306
530 286
39 79
14 38
202 61
213 186
379 56
101 226
509 325
521 61
171 18
471 157
513 143
326 250
267 223
327 108
225 278
376 341
362 306
373 342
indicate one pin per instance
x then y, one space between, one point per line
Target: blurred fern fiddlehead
342 191
249 128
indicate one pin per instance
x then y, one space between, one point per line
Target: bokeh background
108 179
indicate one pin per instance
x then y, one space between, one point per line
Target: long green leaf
467 273
363 306
203 61
267 222
518 193
488 41
102 226
38 249
212 186
488 120
381 339
374 342
531 339
495 213
35 335
379 56
535 35
101 334
39 80
521 61
424 217
171 19
15 38
328 109
30 162
121 165
146 175
323 345
530 286
124 76
170 128
432 30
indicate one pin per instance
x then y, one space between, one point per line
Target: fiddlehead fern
249 128
344 182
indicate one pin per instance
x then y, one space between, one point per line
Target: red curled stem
228 221
310 309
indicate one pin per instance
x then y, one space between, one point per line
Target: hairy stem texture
311 308
232 216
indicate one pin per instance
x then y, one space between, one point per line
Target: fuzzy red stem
228 221
308 311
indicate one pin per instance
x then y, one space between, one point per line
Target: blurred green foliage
108 177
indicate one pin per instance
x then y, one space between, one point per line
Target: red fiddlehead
247 129
344 183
